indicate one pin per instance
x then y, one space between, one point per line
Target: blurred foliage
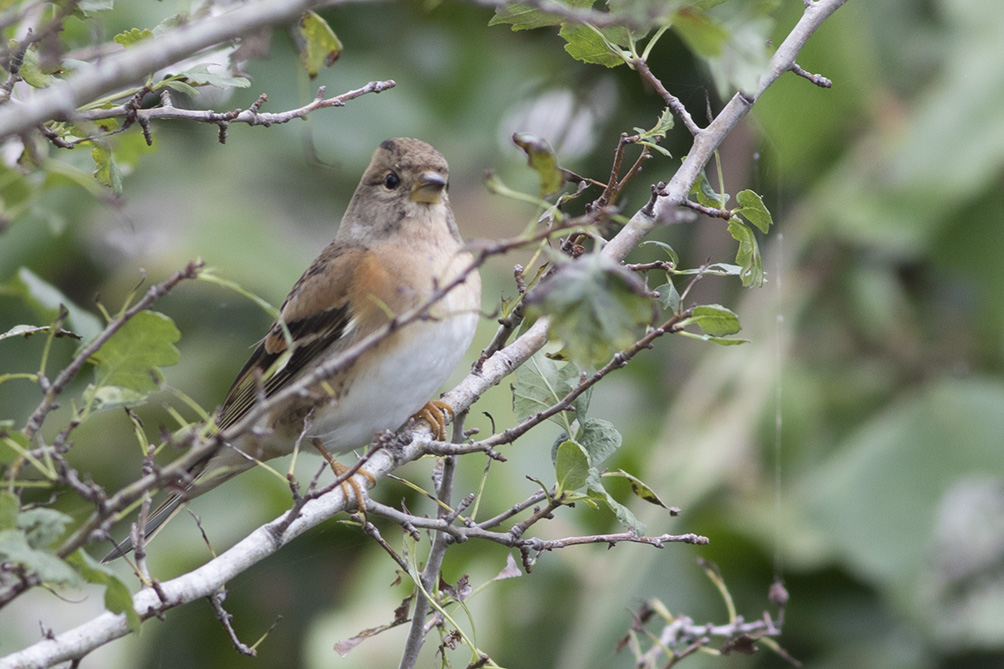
853 447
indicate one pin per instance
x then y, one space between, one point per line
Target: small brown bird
397 243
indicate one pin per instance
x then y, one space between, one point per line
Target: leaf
640 488
511 570
541 157
700 33
752 208
748 255
599 438
624 515
523 16
706 195
320 46
117 596
16 550
41 526
571 467
669 297
715 320
105 170
31 68
131 359
744 56
44 299
589 46
201 75
181 87
541 383
9 507
596 306
674 259
130 37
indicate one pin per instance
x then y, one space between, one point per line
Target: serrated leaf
624 515
523 16
571 466
540 383
133 36
117 596
715 320
748 255
589 46
44 299
596 306
201 75
106 171
640 488
669 297
320 46
133 356
540 156
752 208
599 438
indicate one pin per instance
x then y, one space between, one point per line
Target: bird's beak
428 188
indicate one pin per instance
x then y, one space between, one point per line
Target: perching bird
397 244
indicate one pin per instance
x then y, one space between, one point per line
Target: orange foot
339 469
434 413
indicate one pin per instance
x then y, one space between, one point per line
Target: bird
397 244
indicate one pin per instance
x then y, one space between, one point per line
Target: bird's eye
391 181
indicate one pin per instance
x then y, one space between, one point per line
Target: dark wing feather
310 338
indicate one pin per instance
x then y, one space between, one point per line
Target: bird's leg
434 413
339 469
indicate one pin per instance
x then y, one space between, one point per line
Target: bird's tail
163 513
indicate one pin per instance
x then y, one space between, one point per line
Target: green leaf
707 195
9 508
201 75
571 466
748 255
596 306
599 438
105 170
523 16
744 57
541 383
31 68
16 550
624 515
640 488
673 257
130 37
669 297
540 156
181 87
589 46
41 526
44 299
700 33
752 208
715 320
320 46
131 359
117 596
